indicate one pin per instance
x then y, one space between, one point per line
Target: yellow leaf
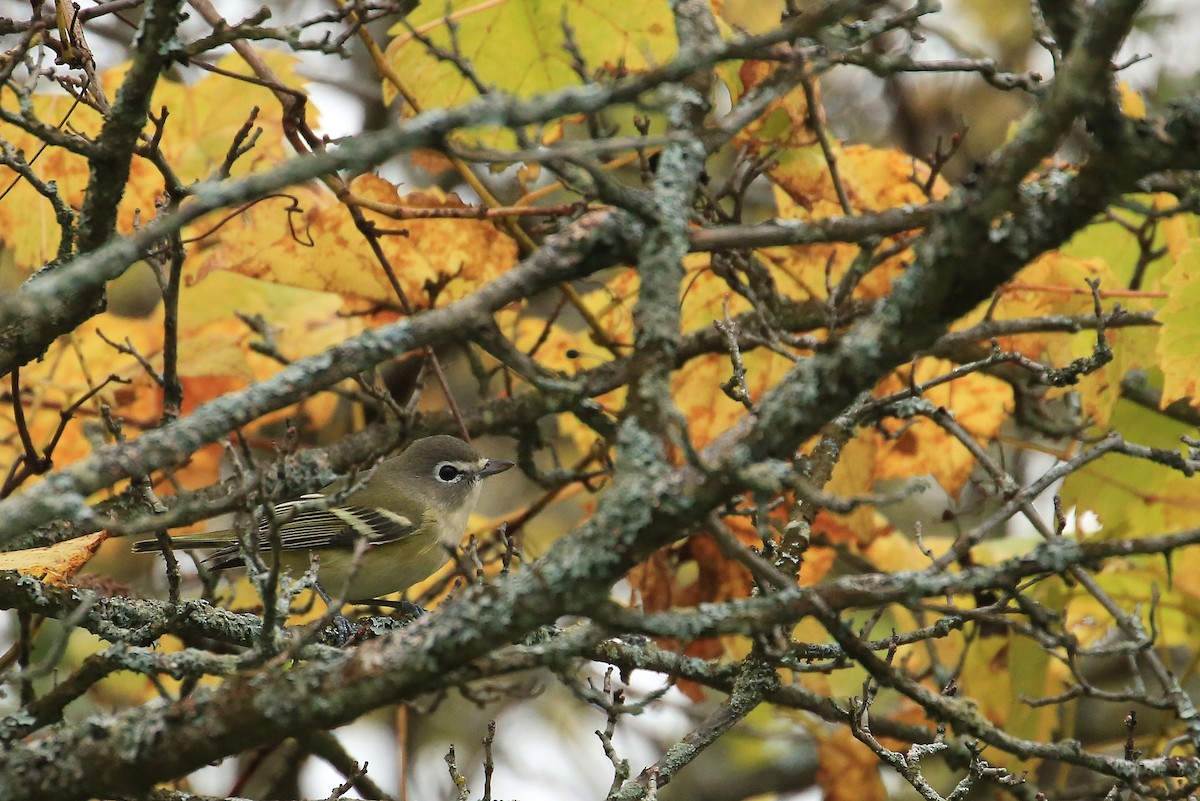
1180 319
696 389
1132 103
431 161
751 16
1178 230
999 670
320 248
1114 243
897 552
1185 573
854 476
204 118
72 367
872 178
214 358
569 352
54 563
518 47
1053 284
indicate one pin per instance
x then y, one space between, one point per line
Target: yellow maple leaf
752 16
1053 284
74 366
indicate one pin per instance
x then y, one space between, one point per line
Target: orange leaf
920 447
847 770
433 162
853 476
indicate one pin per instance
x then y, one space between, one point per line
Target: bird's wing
339 527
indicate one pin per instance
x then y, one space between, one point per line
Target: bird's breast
452 523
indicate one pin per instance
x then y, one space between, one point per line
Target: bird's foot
345 632
410 609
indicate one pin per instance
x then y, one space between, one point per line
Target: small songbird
410 511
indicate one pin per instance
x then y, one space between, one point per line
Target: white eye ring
448 473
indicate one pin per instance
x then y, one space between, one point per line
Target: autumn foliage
795 248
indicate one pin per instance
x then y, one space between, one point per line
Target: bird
411 511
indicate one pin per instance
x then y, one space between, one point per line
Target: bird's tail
188 542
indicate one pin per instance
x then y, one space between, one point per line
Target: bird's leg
406 606
339 621
411 609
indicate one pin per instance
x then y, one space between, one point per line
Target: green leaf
1135 497
1113 241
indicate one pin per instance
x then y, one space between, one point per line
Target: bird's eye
448 473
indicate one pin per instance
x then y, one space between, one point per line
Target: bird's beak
493 466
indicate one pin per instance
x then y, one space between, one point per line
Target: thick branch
109 166
153 743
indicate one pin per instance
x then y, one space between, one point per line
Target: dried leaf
54 563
